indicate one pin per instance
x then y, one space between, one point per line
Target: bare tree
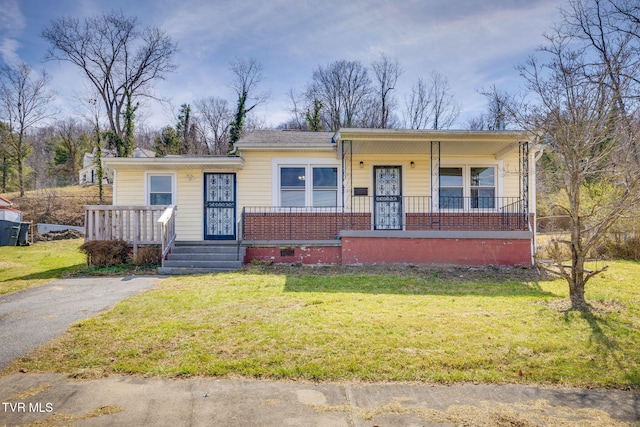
343 88
589 149
120 60
213 116
430 105
386 74
247 77
445 108
24 101
299 109
609 30
417 106
498 115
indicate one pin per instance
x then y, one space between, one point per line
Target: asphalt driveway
33 317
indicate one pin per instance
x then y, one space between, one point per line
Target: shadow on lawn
608 346
462 281
54 273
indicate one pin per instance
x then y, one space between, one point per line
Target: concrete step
231 265
203 257
211 249
182 271
197 256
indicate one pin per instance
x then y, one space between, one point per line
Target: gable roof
5 202
286 140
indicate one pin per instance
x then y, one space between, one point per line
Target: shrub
148 255
106 253
622 249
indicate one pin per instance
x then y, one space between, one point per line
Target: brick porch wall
302 225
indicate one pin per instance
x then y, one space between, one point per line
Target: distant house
88 175
7 213
356 196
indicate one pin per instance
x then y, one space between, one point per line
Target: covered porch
403 180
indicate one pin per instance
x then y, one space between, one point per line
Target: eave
497 144
175 163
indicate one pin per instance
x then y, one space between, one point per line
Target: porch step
203 257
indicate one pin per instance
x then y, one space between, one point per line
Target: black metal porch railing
408 213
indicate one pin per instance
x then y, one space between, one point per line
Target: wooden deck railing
137 225
168 229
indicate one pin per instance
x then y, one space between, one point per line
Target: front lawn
411 324
27 266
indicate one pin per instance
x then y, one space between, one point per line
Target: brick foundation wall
374 250
307 255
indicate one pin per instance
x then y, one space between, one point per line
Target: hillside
62 205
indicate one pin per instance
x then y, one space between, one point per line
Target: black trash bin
22 237
9 232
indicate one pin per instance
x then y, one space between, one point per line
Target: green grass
413 324
27 266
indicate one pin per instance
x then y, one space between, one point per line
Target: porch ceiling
452 143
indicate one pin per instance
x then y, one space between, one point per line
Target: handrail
168 229
136 225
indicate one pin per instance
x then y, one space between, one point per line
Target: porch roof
452 142
175 162
286 140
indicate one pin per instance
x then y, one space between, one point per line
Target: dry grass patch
409 324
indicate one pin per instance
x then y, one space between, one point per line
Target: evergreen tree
167 142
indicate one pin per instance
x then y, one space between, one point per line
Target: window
325 187
160 189
309 185
468 187
292 186
483 188
451 188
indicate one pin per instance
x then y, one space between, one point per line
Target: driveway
33 317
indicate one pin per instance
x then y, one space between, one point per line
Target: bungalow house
356 196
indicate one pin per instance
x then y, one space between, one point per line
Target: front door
387 198
220 206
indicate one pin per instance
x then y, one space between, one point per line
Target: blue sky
474 43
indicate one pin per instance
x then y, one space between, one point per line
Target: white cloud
12 23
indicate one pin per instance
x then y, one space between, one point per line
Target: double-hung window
160 189
483 188
308 185
467 187
451 188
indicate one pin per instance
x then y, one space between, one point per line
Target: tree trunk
19 163
576 285
4 173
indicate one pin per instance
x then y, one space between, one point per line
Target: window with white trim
308 185
467 187
483 187
160 188
451 188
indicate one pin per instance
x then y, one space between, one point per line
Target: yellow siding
190 202
256 177
129 189
255 186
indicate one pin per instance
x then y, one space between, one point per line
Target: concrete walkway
35 316
50 399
